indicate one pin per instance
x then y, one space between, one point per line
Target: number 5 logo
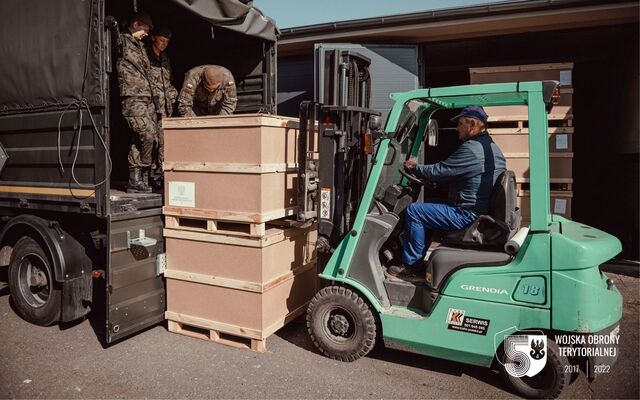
524 354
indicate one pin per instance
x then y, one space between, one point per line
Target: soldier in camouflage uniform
139 107
166 94
207 90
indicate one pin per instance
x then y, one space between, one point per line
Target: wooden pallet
226 334
199 224
215 336
521 122
553 186
525 131
228 223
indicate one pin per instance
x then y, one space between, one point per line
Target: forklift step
405 292
215 336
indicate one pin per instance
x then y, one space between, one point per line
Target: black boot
137 184
156 181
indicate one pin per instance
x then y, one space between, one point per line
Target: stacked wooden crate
509 128
235 273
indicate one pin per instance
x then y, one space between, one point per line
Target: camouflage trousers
147 139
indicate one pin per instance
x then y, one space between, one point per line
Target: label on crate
565 78
182 194
325 203
562 141
560 206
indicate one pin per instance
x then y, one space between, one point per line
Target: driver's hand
410 164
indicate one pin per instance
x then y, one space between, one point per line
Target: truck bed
122 202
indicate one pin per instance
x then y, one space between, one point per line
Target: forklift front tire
548 383
34 291
341 324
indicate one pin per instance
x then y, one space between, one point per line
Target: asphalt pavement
71 362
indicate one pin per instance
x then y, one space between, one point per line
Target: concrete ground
71 362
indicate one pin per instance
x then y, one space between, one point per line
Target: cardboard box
563 109
239 193
512 141
560 166
561 72
560 204
278 253
248 313
251 139
233 164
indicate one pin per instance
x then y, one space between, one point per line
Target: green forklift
490 282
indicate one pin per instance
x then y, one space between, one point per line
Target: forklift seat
444 261
495 229
482 242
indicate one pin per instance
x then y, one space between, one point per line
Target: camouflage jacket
195 100
160 76
133 66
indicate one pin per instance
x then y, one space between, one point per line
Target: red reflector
97 274
368 148
555 97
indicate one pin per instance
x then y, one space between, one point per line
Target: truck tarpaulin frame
234 15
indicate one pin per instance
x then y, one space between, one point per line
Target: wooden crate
562 110
561 72
245 313
237 261
264 196
560 204
560 166
517 141
244 166
231 141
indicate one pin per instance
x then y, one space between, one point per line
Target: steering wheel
410 177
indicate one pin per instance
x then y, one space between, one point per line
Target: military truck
73 240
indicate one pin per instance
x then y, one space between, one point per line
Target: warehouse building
594 44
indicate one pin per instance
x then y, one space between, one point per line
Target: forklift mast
332 182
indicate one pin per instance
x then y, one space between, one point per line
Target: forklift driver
207 90
471 171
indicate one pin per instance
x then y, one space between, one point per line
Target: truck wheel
34 292
548 383
341 324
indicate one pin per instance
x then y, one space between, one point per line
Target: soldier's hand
110 22
410 164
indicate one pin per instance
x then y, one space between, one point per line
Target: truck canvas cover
50 50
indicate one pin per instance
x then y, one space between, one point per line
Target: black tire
341 324
35 294
548 383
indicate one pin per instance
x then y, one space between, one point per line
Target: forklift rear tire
34 291
341 324
548 383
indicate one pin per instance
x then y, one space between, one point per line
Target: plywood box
560 204
512 141
231 139
560 165
562 110
239 193
245 313
279 252
561 72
